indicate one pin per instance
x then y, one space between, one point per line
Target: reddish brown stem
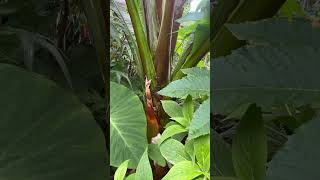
162 55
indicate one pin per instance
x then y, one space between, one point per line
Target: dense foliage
265 108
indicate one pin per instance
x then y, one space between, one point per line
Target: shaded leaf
249 146
46 133
297 32
155 154
300 155
267 75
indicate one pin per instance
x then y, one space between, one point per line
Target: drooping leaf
173 151
46 133
155 154
170 131
300 155
121 171
267 75
200 124
249 146
144 170
297 32
183 170
127 126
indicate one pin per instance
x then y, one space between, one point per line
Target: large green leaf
249 146
170 131
155 154
173 151
298 32
202 152
221 157
183 170
196 86
121 171
144 170
46 133
267 75
300 156
200 124
127 126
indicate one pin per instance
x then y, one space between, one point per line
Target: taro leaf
121 171
170 131
267 75
127 126
144 170
298 32
173 151
46 133
249 146
183 170
200 124
155 154
221 157
300 155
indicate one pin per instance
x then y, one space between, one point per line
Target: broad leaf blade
127 126
46 133
155 154
249 146
144 170
170 131
121 171
299 157
221 156
200 124
173 151
183 170
267 75
298 32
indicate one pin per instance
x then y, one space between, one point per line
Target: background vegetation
265 94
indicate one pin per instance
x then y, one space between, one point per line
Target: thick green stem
144 50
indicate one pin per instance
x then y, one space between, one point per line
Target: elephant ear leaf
128 125
299 157
46 133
